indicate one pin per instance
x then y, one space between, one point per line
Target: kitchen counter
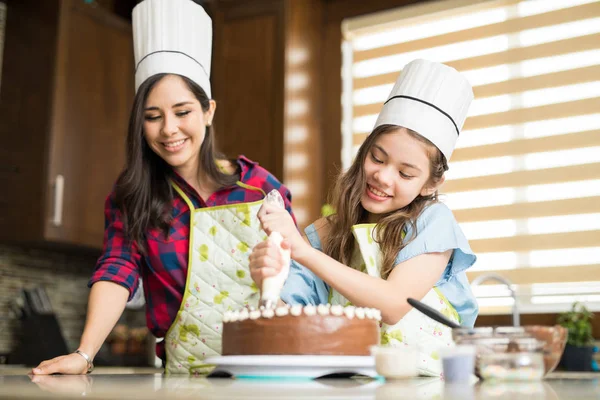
149 383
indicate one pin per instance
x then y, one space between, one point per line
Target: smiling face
175 123
397 170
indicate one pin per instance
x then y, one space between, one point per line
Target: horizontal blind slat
525 178
582 205
548 241
512 86
510 26
559 47
527 275
531 114
554 79
518 147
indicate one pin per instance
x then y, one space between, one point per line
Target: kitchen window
524 180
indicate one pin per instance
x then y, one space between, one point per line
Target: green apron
414 329
218 280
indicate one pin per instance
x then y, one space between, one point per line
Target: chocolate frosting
300 335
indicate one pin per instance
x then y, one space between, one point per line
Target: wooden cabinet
266 80
65 96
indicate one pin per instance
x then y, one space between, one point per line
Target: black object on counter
41 336
432 313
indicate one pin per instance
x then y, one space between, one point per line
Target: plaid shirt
164 269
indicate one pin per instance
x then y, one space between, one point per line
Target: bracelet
88 359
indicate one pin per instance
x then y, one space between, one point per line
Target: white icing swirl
322 309
337 310
296 310
310 310
360 313
377 315
350 312
226 316
282 311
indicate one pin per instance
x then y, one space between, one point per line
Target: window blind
524 180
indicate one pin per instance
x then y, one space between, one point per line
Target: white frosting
282 311
377 315
360 313
337 310
349 312
268 313
322 309
254 314
310 310
296 310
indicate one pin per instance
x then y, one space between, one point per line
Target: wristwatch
88 359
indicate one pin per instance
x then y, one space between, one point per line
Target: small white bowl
395 362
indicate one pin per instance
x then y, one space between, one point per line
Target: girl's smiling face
397 170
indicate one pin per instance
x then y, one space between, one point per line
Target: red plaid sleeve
257 176
120 259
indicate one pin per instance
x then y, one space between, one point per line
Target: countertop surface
149 383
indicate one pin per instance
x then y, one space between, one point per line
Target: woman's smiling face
175 123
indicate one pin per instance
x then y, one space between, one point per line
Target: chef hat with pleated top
431 99
173 37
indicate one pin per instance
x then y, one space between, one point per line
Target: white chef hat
174 37
431 99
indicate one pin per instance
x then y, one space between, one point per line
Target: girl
390 237
181 216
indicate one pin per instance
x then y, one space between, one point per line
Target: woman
180 216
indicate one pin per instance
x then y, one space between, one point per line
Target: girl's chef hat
174 37
431 99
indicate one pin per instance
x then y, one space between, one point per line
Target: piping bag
271 286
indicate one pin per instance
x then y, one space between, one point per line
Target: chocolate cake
297 330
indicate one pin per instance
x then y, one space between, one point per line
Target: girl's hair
349 187
143 193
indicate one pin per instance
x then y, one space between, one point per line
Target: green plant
578 322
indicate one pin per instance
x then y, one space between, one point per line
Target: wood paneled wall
266 77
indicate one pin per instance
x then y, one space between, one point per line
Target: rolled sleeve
437 232
120 259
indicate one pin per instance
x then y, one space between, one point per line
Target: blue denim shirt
437 231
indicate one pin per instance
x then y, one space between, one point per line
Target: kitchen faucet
495 277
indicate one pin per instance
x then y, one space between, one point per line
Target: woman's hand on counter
71 364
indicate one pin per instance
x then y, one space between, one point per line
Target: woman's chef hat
173 37
431 99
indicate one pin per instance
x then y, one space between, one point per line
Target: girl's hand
276 219
266 260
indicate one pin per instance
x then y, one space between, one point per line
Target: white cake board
293 366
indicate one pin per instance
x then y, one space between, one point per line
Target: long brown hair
339 243
143 192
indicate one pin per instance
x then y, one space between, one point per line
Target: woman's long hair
339 243
143 192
